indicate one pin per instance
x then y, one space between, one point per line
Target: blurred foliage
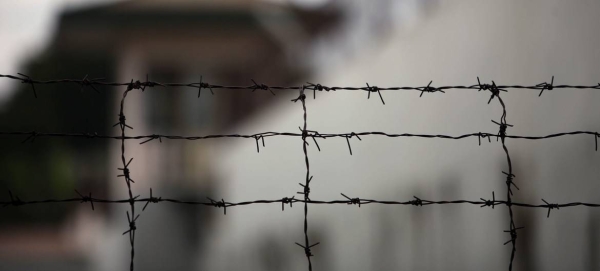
52 167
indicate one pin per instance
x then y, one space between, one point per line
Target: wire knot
132 226
481 135
509 181
87 82
202 85
489 202
545 86
151 199
374 89
493 88
126 172
307 251
86 198
27 80
352 201
513 234
132 200
550 206
306 190
261 86
301 97
149 84
319 87
416 201
121 122
430 89
259 137
304 133
502 132
135 85
287 200
219 204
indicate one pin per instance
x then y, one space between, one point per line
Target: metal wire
304 134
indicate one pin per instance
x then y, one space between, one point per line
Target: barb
261 86
374 89
480 135
348 136
86 82
126 172
27 80
429 88
502 131
513 236
151 199
202 85
489 202
545 86
509 181
550 207
287 200
493 88
307 249
86 198
132 227
416 202
219 204
352 200
259 137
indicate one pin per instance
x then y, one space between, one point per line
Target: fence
306 245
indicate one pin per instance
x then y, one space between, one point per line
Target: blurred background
291 42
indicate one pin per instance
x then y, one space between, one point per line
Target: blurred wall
510 42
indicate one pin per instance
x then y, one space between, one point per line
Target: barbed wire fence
305 134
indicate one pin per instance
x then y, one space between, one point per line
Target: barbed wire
493 89
16 201
142 85
31 136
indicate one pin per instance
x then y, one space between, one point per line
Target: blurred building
229 42
510 42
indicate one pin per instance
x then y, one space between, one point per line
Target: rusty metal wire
493 89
